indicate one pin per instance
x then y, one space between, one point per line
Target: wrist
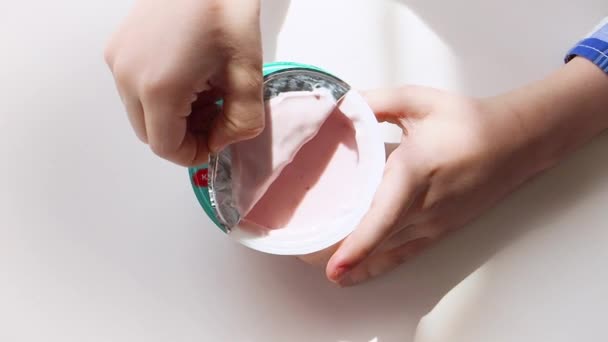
559 113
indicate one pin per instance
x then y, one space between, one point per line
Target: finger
169 137
401 237
395 104
243 109
133 105
135 113
385 261
393 197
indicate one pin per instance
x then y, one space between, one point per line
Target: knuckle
121 71
256 126
247 69
157 84
242 128
254 131
154 86
108 55
254 77
244 125
110 50
161 149
111 47
250 78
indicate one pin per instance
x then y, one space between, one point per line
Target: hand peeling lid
258 162
261 170
222 174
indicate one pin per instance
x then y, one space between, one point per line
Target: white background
101 241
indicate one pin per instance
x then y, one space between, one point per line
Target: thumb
243 108
393 197
396 104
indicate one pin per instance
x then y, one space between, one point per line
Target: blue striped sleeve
594 47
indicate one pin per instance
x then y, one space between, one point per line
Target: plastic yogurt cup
213 183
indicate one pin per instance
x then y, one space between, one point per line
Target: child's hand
169 55
457 157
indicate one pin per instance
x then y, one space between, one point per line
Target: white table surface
102 241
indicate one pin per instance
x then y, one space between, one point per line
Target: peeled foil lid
220 164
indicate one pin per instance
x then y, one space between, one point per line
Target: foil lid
220 164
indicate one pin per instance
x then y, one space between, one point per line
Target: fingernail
339 273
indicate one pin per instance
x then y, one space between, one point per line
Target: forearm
561 112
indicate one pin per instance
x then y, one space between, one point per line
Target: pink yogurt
304 169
